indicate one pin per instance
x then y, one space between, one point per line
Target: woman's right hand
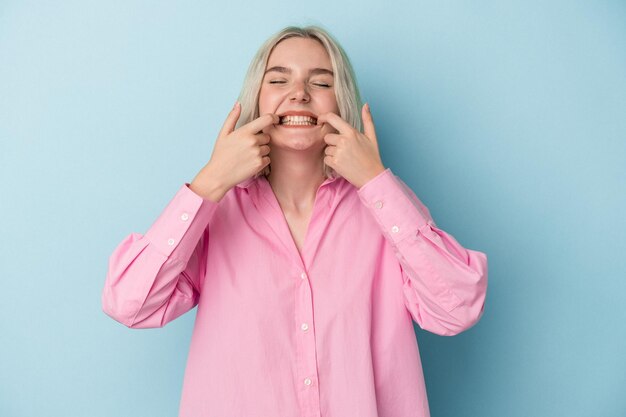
237 155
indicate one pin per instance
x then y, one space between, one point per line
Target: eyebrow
313 71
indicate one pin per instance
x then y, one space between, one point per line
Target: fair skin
298 78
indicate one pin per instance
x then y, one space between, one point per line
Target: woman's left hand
352 154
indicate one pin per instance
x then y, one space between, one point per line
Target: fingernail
367 107
236 104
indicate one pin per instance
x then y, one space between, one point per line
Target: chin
299 144
296 139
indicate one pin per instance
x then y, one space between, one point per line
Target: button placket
306 347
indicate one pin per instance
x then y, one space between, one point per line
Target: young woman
308 259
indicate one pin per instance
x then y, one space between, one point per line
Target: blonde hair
346 89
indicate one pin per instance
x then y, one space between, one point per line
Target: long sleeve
445 284
154 278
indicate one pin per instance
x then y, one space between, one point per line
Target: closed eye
283 82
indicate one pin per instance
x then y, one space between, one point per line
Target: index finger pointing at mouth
335 121
262 122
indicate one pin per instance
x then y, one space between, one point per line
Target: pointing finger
261 122
335 121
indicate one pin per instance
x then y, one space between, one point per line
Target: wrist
208 187
372 174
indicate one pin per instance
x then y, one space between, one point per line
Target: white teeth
298 124
297 120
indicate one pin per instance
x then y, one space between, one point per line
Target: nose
299 92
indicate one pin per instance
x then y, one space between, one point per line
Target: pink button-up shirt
279 333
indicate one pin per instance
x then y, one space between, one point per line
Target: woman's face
298 79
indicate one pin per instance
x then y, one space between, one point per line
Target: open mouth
298 121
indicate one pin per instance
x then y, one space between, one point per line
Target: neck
295 177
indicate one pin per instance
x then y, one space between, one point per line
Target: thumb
231 120
368 123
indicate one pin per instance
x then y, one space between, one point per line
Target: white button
303 275
395 229
170 242
184 217
305 327
307 381
378 204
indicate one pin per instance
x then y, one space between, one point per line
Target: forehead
299 52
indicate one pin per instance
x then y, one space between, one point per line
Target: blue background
508 120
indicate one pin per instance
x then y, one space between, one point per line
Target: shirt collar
247 183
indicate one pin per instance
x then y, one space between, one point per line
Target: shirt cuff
181 224
387 200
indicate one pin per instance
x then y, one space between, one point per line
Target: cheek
330 103
266 101
269 100
262 102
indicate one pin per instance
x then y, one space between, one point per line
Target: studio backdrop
507 119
